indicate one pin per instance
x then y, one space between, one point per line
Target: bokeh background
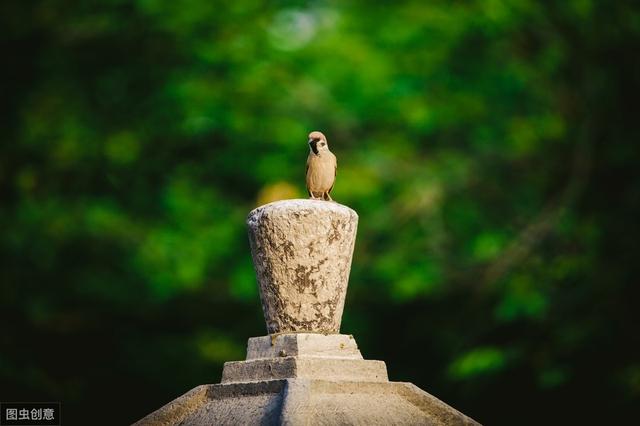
490 148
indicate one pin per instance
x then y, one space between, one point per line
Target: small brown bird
321 167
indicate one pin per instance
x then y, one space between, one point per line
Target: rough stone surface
256 403
308 402
302 251
303 345
173 412
304 368
304 373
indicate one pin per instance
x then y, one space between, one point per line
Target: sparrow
321 167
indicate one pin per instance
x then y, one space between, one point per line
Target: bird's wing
306 174
335 172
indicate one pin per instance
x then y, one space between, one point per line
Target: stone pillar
302 252
304 372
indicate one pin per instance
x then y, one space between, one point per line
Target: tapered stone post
302 252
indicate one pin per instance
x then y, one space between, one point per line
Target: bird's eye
322 144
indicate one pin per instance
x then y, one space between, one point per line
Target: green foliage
489 147
476 362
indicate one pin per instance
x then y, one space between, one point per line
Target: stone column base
306 379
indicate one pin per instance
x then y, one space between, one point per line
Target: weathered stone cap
301 205
302 251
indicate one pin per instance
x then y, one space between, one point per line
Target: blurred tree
490 148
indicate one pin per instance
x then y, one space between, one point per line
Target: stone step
335 369
303 345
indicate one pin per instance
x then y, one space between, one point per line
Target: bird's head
318 142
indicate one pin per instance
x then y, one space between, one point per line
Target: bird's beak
310 141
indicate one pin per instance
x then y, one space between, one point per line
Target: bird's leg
328 197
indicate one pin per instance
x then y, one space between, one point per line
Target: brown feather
321 173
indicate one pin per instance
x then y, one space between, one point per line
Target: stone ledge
338 346
304 368
302 401
177 410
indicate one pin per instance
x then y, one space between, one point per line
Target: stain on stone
335 233
302 278
288 248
